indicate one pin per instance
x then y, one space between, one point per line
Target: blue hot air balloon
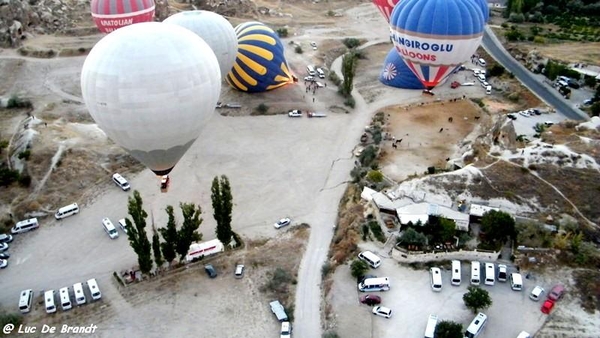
434 37
395 73
485 9
260 64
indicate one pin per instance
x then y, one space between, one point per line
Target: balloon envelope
485 9
260 64
395 73
151 88
109 15
215 30
385 7
436 36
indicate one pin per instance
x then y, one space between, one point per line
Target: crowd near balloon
432 37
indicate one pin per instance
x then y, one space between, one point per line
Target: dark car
557 292
4 238
4 255
370 300
210 271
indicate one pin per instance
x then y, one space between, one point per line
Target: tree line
176 240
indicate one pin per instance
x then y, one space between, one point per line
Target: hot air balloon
114 14
260 64
386 7
215 30
395 73
485 9
151 88
434 37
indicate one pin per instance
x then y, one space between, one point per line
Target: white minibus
24 226
79 294
476 326
490 274
65 299
431 324
456 273
49 301
25 301
436 279
475 279
67 211
374 284
370 258
311 70
516 281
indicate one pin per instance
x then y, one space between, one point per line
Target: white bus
456 273
475 279
374 284
476 326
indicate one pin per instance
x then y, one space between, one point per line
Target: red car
548 305
557 292
370 300
455 84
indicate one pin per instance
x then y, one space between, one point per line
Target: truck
316 114
279 311
295 113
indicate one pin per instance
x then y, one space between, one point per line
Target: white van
110 228
481 77
516 281
94 290
67 211
488 90
121 182
49 301
25 301
524 334
311 70
24 226
475 279
65 299
481 62
320 73
374 284
436 279
370 258
431 324
476 326
490 274
79 294
123 225
456 273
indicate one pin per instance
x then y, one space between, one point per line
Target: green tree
595 109
375 176
188 232
448 329
413 237
169 234
477 299
222 206
158 260
348 72
358 268
498 226
136 233
447 229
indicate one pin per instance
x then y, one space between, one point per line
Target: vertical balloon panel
110 15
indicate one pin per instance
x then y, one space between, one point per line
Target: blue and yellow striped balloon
260 64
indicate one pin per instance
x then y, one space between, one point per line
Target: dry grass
347 232
588 288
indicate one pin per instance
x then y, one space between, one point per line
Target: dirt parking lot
412 301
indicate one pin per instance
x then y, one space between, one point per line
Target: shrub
335 78
377 232
365 232
8 176
24 155
351 42
516 17
330 13
539 40
375 176
25 181
325 270
358 268
10 318
350 102
367 157
282 32
298 50
262 108
279 280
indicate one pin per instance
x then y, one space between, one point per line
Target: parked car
485 84
382 311
455 84
239 271
370 300
536 293
282 222
557 293
3 263
295 113
309 78
3 247
5 238
547 307
468 84
123 225
524 113
4 255
511 116
210 271
502 275
164 182
286 330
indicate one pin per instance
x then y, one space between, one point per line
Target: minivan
321 73
121 182
436 279
123 225
109 228
481 62
65 299
286 330
475 279
455 273
488 90
490 274
67 211
431 324
25 301
49 301
516 281
94 290
374 284
79 294
476 326
370 258
24 226
311 70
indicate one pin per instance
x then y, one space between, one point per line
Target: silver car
536 293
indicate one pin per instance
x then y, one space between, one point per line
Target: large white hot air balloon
151 88
215 30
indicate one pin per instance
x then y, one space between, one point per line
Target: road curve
547 94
